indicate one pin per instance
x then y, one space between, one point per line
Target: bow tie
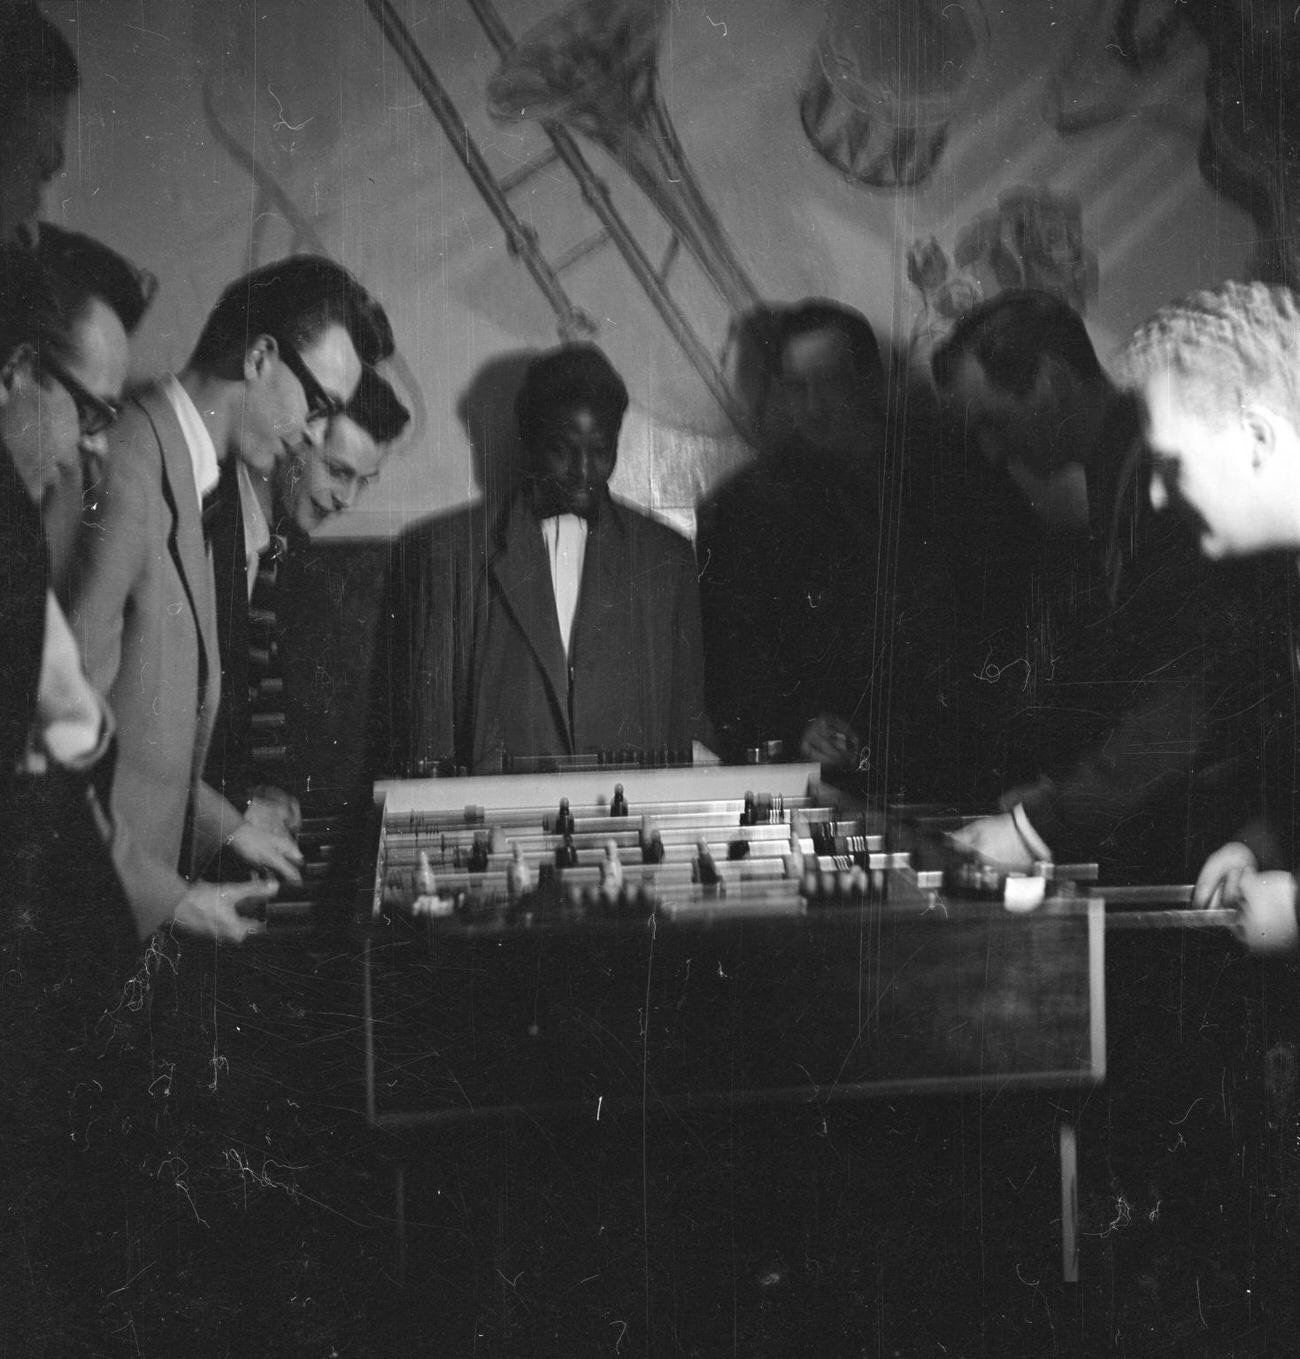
543 508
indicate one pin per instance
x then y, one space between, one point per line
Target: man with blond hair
1219 376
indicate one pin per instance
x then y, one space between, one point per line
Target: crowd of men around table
1071 599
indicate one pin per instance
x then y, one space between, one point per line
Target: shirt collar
203 452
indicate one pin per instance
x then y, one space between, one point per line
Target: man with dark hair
248 760
1098 684
114 282
280 355
57 331
40 79
566 626
1025 382
67 947
124 286
62 363
808 561
65 360
1025 482
326 480
1008 337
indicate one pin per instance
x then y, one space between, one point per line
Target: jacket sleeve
1189 684
1151 748
108 564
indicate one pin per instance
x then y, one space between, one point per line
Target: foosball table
604 942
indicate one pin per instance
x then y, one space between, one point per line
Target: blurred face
31 154
820 401
1219 474
55 412
322 481
1042 429
1037 439
291 396
572 460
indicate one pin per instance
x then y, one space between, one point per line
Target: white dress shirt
203 452
566 549
257 532
72 725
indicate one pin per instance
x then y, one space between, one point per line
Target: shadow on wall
486 410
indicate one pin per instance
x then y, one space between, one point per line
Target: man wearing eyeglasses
64 358
327 479
280 355
249 757
73 396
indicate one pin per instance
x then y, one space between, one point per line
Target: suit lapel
187 546
606 578
519 569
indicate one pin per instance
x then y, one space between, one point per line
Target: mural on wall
1119 61
1032 239
592 68
645 172
887 79
1250 138
226 87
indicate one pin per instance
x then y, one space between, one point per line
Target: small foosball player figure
652 843
611 872
519 877
566 853
564 818
704 871
618 807
794 858
425 885
480 852
748 816
426 900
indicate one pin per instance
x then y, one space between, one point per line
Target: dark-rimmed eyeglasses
94 413
321 405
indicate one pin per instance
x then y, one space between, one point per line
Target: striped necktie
266 716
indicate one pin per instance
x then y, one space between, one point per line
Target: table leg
1069 1203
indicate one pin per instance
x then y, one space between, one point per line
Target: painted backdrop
901 157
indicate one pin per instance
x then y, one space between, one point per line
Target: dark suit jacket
56 879
143 609
24 571
818 598
474 669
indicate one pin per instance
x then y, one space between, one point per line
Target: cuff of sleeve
77 746
1024 828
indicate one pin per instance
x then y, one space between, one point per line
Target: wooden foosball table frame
789 978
